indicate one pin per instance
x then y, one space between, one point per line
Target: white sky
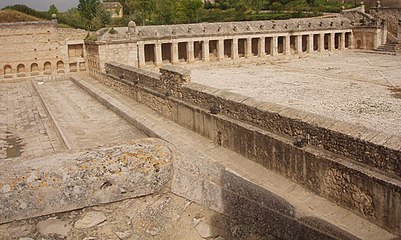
42 5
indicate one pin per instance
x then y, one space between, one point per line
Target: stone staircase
387 48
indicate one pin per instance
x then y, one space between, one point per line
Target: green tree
276 7
88 8
166 11
142 10
52 9
310 2
191 9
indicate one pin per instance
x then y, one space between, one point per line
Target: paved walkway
25 127
82 121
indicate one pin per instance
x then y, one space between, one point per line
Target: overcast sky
42 5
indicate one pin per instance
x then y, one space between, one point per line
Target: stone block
69 181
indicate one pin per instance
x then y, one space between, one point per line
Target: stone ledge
68 181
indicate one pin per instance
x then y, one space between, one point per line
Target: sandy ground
359 88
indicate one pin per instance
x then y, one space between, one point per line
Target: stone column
234 49
261 47
205 50
376 38
351 41
141 55
342 41
274 46
174 53
220 49
287 45
363 41
310 43
331 42
158 53
248 50
321 42
190 51
299 44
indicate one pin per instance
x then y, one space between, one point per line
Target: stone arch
47 66
21 68
60 65
8 69
34 67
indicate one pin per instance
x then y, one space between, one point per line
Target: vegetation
90 15
9 15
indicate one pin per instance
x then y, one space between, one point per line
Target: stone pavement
82 121
25 127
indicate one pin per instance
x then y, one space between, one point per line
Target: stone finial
286 26
261 26
204 29
173 32
132 28
248 27
321 24
274 26
189 29
342 8
310 24
235 28
54 19
362 6
219 28
378 4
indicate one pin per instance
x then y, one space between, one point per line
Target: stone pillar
310 43
385 32
331 42
299 44
234 49
287 45
220 49
376 38
174 53
342 41
190 51
248 50
141 55
321 42
205 50
274 46
351 41
158 53
261 47
363 46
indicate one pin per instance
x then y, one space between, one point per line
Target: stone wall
69 181
391 16
39 48
334 163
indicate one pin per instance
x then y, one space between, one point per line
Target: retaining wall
352 166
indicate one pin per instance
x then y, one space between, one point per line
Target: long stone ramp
73 180
236 186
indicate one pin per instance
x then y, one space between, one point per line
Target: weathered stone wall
38 48
390 15
333 164
68 181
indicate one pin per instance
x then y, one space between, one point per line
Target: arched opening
60 65
34 67
8 69
47 66
20 68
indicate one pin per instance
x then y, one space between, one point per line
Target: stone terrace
359 88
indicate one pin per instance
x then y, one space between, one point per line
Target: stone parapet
68 181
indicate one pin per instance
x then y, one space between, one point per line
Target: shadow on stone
252 212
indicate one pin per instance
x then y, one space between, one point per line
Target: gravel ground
359 88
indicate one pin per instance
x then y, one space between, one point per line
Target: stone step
227 182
